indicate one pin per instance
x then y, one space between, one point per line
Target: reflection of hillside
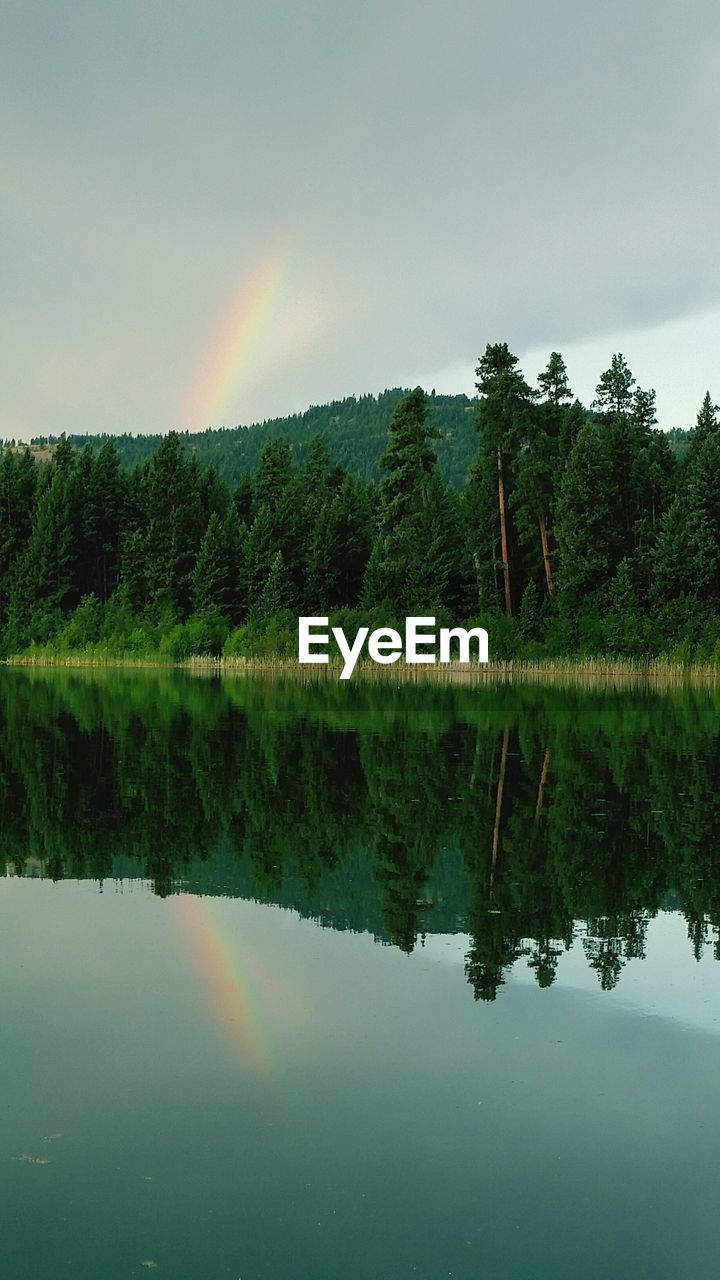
30 869
507 813
343 897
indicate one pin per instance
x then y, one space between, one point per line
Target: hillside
354 429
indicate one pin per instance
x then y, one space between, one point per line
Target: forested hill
354 430
576 531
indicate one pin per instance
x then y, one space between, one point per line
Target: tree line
577 531
354 430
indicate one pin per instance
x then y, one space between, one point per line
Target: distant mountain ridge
354 430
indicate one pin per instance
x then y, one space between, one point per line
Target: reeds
572 671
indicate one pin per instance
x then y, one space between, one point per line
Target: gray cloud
443 175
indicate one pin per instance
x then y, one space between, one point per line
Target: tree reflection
524 818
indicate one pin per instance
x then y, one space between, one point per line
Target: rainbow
219 968
236 340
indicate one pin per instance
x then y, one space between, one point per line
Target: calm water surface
315 981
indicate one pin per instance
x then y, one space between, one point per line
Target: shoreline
653 672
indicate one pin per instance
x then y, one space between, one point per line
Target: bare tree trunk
546 554
541 787
476 563
503 535
498 804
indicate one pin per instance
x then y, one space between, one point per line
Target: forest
354 431
577 531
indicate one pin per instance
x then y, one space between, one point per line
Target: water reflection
530 819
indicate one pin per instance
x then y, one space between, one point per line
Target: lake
367 981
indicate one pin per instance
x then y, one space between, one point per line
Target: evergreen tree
44 583
277 594
613 393
670 568
530 615
316 470
339 548
504 414
702 517
582 523
394 572
572 418
18 481
260 551
553 381
173 526
706 424
244 500
445 571
103 517
218 576
274 474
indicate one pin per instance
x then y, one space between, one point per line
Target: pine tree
629 421
44 582
553 381
670 563
582 523
18 481
505 405
706 424
533 495
217 578
445 571
614 390
316 468
244 501
538 471
84 560
273 474
260 551
530 615
103 514
622 625
339 548
702 514
277 594
394 567
572 418
173 526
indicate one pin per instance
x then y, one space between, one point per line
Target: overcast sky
215 214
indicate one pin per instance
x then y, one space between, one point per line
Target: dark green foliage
706 424
553 381
505 422
528 820
43 587
530 615
339 546
583 530
398 566
445 576
18 478
354 431
277 592
103 514
614 390
219 576
611 528
702 517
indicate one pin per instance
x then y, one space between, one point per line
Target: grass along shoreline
574 670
